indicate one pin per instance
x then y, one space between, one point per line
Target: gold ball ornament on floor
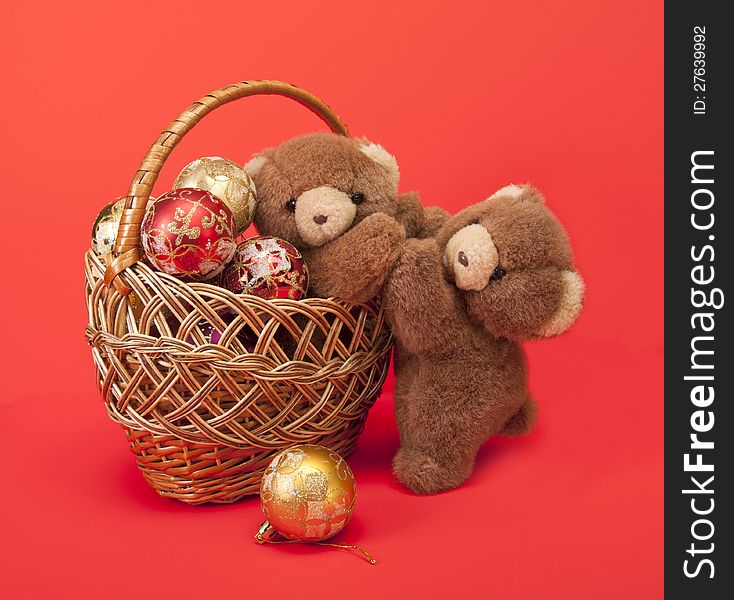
307 494
227 181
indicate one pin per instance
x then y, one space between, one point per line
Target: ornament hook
266 533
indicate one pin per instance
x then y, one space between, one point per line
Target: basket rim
215 355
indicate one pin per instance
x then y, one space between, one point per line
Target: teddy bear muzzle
322 214
471 257
569 305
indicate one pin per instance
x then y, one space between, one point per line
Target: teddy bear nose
320 219
463 259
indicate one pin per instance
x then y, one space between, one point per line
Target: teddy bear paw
523 421
382 226
569 306
423 474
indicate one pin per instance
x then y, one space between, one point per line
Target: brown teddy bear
496 273
336 200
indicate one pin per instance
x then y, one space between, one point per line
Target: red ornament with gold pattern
267 267
189 233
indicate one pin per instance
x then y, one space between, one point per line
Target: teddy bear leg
427 472
433 457
523 421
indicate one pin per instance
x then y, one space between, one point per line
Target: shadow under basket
208 385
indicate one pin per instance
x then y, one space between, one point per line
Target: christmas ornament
212 334
227 181
267 267
307 494
204 332
189 233
104 230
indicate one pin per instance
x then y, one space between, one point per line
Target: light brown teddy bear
336 200
498 272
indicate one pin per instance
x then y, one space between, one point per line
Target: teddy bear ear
252 168
382 157
525 191
511 190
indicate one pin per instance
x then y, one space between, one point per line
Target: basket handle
128 234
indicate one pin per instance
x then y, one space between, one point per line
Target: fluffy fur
536 257
345 213
460 370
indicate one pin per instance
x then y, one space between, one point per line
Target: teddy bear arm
420 304
434 219
419 222
530 304
324 279
355 265
409 214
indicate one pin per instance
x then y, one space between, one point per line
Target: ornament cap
264 533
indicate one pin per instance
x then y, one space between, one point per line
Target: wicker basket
202 419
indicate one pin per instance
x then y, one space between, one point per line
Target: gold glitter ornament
227 181
307 494
104 230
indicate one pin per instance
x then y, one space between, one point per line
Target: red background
469 96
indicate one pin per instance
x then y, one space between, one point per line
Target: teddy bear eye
357 197
291 205
498 274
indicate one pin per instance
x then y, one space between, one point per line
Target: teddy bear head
312 188
511 261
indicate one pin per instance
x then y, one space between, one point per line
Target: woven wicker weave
203 419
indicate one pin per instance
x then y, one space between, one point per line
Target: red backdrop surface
469 96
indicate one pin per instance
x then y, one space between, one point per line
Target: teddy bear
336 199
496 273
